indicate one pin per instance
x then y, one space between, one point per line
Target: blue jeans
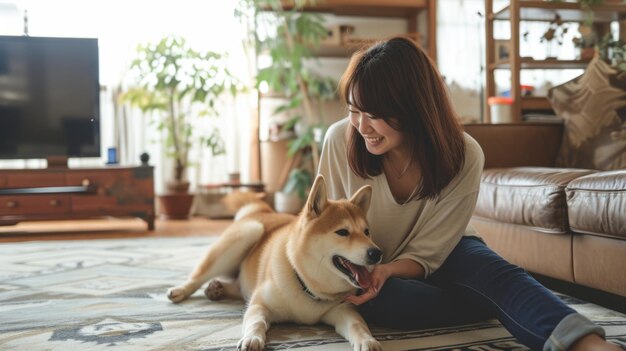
473 284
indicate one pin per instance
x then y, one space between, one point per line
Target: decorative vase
587 54
175 205
176 202
287 202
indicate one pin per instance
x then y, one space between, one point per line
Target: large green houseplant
178 86
290 37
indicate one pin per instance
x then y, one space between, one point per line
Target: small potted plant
585 42
613 52
179 85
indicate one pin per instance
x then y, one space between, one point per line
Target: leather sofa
564 223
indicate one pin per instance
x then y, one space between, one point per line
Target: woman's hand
380 274
404 268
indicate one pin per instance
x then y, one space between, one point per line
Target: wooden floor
108 228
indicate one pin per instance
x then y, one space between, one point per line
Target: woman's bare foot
594 342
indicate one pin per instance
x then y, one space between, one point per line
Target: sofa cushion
593 106
597 203
530 196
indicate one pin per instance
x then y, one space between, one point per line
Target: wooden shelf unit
541 10
537 10
407 9
543 64
74 193
375 8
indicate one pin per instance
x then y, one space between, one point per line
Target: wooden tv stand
73 193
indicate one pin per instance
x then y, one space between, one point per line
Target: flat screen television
49 97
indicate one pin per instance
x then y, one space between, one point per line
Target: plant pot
287 202
587 53
175 186
175 205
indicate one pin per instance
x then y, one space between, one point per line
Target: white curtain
460 46
119 27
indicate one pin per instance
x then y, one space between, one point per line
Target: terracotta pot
174 186
587 53
175 205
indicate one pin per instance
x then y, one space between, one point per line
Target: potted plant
291 39
585 42
613 51
179 85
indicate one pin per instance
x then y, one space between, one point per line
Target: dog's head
333 245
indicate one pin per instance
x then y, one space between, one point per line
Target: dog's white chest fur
294 305
282 293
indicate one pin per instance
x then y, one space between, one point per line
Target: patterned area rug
110 294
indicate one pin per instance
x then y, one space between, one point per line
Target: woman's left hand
380 274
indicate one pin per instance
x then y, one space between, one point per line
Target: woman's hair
396 81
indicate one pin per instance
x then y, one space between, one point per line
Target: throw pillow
593 106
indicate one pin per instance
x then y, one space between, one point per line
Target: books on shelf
541 118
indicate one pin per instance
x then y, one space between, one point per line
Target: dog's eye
342 232
367 232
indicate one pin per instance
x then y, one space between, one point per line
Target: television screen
49 97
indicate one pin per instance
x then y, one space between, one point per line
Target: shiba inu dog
293 268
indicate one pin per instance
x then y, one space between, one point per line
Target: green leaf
299 181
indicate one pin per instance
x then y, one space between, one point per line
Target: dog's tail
243 203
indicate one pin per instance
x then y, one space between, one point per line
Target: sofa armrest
517 145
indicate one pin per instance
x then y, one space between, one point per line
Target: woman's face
379 136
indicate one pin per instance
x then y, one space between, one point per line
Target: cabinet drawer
93 203
3 181
35 179
101 179
34 204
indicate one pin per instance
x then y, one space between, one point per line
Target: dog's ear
362 198
318 198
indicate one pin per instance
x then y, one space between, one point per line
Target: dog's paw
368 345
177 294
215 290
251 343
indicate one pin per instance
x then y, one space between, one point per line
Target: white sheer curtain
119 27
460 46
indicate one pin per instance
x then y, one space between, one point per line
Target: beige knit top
425 231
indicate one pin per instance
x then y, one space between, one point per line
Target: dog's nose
373 255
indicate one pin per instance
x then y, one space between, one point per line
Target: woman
402 137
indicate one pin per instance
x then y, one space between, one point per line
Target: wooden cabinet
35 179
42 194
24 205
544 11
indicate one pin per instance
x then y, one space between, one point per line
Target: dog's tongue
361 274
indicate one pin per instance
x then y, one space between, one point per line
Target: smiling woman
434 270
